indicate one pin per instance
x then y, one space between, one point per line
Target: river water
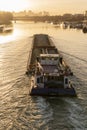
18 110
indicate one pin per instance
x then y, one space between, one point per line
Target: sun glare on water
15 5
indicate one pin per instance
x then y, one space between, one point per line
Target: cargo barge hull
48 70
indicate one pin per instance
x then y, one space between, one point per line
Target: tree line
56 18
5 17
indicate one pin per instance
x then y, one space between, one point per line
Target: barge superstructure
48 71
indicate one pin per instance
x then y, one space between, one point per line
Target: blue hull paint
53 92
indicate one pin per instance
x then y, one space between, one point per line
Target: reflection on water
8 36
19 111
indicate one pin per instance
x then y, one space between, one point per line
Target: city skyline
53 7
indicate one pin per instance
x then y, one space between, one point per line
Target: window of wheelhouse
55 78
66 80
40 80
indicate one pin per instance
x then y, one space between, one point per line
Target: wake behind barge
48 71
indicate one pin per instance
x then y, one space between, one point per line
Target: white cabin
49 59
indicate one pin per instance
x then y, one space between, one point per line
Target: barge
48 72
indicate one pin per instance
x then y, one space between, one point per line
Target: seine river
18 110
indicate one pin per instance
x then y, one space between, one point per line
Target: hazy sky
53 6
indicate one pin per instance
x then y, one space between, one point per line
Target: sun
15 5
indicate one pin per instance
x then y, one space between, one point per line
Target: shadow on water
68 114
